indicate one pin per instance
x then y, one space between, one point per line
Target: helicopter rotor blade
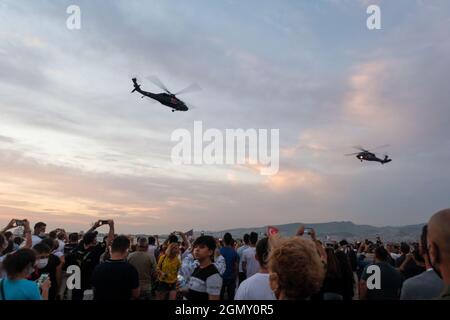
351 154
360 148
158 83
191 88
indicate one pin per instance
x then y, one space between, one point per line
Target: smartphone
308 230
42 279
20 223
102 222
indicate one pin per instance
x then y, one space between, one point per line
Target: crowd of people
59 266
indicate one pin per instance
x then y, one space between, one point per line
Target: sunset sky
76 146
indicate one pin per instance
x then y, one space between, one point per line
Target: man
427 285
87 256
231 261
116 279
240 250
257 286
39 233
205 282
152 247
390 279
249 264
72 244
439 247
406 265
145 264
47 263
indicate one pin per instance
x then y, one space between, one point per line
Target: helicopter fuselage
166 99
369 156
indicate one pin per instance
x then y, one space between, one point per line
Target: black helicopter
168 99
366 155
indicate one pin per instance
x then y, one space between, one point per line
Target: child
205 282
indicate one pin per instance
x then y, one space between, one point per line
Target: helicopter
168 98
367 155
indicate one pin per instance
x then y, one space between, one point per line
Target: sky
76 146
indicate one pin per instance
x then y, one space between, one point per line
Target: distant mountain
336 231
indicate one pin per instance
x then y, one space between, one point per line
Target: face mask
42 263
41 234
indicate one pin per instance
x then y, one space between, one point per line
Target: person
145 264
249 264
116 279
205 283
5 244
408 263
168 266
427 285
15 286
296 270
240 250
47 263
257 286
391 279
39 233
87 256
231 268
348 277
152 247
333 284
438 240
72 243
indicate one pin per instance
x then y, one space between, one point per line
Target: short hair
298 267
41 248
142 242
52 243
262 251
15 263
381 253
89 237
52 234
39 225
404 248
253 238
208 241
120 244
73 237
18 240
151 240
246 238
227 238
173 238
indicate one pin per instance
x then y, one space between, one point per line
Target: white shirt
35 240
151 249
248 256
239 252
256 287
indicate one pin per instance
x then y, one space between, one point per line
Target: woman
18 266
296 271
333 284
168 266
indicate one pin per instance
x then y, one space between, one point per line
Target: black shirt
87 260
411 269
114 280
204 282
